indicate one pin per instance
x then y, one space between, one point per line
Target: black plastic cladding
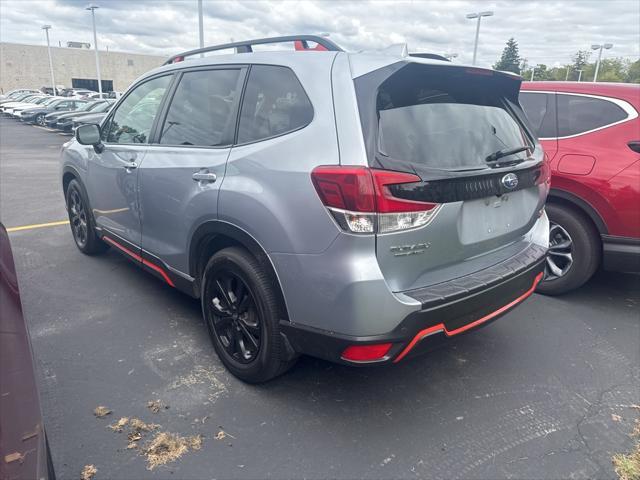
466 188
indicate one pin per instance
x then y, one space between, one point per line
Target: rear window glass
444 119
274 104
577 114
540 110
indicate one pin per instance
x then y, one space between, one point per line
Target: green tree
510 59
580 62
633 72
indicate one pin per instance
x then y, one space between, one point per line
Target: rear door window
274 104
540 109
579 114
203 109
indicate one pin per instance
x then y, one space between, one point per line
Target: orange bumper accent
441 327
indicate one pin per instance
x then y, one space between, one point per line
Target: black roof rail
245 47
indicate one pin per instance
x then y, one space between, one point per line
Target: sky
547 31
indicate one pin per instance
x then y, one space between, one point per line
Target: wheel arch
562 197
70 173
212 236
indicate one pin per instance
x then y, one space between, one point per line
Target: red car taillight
360 200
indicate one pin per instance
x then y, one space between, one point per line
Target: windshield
444 123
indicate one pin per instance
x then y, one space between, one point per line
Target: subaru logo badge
510 181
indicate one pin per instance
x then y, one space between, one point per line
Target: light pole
606 46
201 25
95 44
533 72
566 77
580 74
53 80
479 16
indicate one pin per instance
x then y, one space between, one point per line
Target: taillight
360 200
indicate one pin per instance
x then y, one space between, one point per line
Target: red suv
591 134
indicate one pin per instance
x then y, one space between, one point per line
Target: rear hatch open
477 167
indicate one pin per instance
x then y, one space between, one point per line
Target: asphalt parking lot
545 392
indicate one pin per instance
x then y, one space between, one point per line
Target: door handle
130 166
204 176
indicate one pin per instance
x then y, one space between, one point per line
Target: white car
17 91
17 111
27 102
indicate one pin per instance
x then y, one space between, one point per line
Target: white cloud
548 31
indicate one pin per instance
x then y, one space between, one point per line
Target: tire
81 221
243 323
40 120
585 250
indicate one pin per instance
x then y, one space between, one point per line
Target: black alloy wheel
78 218
81 221
243 311
234 316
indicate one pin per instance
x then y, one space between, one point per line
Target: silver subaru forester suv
356 207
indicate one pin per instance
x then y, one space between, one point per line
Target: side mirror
90 135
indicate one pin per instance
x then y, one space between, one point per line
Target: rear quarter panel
267 189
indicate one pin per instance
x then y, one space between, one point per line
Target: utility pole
53 80
533 71
566 77
479 16
95 45
580 74
606 46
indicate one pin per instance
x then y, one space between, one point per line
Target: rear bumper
448 309
621 254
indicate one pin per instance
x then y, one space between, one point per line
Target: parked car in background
591 133
16 92
67 121
15 98
24 450
36 115
52 118
88 120
350 206
114 94
30 101
41 102
49 90
77 93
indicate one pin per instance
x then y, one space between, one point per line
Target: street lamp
53 80
201 25
606 46
95 44
479 16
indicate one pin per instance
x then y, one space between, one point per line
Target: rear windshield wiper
495 156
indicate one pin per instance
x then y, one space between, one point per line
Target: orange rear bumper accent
450 333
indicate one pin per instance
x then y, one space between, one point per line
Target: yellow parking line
37 225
